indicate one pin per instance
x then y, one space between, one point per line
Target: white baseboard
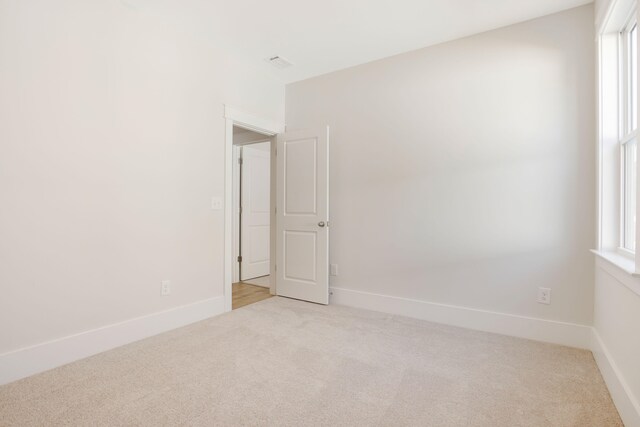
628 407
569 334
28 361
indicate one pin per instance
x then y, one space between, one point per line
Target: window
628 132
618 110
629 196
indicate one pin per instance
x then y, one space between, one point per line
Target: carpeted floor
289 363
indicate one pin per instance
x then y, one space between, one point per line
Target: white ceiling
321 36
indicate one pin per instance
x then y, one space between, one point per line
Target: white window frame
613 136
627 134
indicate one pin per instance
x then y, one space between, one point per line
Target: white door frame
235 117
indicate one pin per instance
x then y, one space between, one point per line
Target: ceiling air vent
279 62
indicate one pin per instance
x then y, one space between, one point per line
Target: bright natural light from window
630 195
628 141
633 74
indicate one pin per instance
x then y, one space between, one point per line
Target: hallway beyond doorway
245 294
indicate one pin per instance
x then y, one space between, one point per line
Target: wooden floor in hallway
245 294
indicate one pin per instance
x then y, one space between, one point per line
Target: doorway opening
267 130
298 210
251 217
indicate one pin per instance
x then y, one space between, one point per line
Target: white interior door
302 238
255 205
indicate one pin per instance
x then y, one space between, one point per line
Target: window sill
623 262
620 267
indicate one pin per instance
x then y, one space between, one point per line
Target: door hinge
240 210
240 258
239 160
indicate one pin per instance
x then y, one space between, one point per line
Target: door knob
321 224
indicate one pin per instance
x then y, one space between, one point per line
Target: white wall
464 173
111 147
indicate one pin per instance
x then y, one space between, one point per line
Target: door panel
255 195
300 186
300 255
302 259
258 247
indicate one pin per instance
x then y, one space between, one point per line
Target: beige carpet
284 362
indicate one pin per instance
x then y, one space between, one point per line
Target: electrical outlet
333 269
216 203
165 288
544 295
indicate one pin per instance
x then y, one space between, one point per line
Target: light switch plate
165 288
